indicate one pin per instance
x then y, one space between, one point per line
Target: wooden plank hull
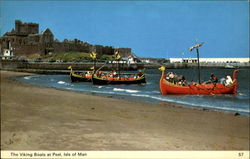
101 81
79 78
206 89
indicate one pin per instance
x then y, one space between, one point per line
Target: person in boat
223 80
126 77
88 74
170 77
176 79
110 75
113 74
213 78
99 73
183 81
139 74
228 80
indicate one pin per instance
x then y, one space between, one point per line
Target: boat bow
235 80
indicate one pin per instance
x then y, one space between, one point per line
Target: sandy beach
40 118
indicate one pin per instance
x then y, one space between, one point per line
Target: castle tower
26 28
17 26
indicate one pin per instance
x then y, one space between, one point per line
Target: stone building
125 52
25 40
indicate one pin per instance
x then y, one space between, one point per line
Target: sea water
150 91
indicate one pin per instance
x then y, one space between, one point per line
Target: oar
101 67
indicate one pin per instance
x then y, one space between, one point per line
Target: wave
61 82
156 92
193 104
126 90
27 77
102 92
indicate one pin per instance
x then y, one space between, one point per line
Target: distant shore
66 71
62 67
40 118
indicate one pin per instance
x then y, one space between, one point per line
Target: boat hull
169 88
79 78
100 81
205 89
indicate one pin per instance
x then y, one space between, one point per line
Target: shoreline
62 67
48 117
173 104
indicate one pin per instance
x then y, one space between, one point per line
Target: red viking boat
102 78
167 87
121 78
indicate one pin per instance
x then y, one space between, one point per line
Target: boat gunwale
165 82
99 78
77 75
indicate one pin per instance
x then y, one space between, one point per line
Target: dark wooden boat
120 79
80 76
167 87
103 78
83 76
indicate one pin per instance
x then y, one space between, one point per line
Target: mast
198 58
199 72
93 56
117 57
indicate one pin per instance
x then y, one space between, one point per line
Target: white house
7 54
131 60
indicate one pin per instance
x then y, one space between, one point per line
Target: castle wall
100 50
25 40
125 52
32 39
71 47
25 50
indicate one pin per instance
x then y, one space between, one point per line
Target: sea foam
126 90
27 77
60 82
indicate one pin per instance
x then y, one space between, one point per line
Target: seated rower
213 78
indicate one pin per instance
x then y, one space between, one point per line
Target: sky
160 29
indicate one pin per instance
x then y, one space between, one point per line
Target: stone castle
25 40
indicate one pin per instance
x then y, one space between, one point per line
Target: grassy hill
67 57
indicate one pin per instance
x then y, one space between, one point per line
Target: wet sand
40 118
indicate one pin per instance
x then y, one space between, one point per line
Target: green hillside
67 57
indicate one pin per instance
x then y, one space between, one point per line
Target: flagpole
118 67
198 58
93 56
95 61
117 58
199 73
